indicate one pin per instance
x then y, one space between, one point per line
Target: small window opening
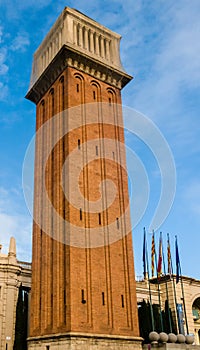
99 219
122 300
77 87
113 155
103 298
94 95
79 144
117 222
109 101
47 347
81 214
83 297
97 151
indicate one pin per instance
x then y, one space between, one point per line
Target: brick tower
83 284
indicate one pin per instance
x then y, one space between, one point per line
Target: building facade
175 293
13 275
83 285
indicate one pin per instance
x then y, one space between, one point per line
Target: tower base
77 341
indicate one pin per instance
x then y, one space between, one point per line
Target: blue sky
160 47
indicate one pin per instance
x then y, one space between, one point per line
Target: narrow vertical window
81 214
109 100
122 297
94 95
6 346
79 143
113 155
97 151
117 223
103 298
83 297
47 347
99 219
77 87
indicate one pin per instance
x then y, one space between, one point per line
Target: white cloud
13 222
3 66
14 8
192 195
3 91
3 55
1 34
169 60
21 42
17 226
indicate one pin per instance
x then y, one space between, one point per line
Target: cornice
70 57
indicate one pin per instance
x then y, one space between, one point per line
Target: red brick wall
61 272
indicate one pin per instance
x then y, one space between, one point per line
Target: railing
24 264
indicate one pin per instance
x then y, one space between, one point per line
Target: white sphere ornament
189 339
180 338
163 337
172 338
153 337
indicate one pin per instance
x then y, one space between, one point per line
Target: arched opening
196 318
196 309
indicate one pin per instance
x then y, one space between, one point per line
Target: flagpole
175 297
182 289
167 294
159 300
145 260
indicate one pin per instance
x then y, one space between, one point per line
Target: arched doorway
196 318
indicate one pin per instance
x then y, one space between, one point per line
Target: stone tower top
80 35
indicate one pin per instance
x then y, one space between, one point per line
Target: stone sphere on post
180 338
172 338
189 338
154 337
163 337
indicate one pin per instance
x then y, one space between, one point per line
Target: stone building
190 293
13 275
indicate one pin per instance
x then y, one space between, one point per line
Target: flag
177 262
152 254
144 254
168 256
159 269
